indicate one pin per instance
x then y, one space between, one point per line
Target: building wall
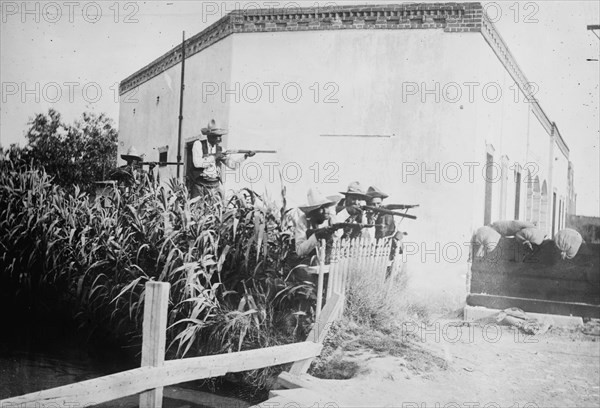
377 132
155 123
518 136
378 106
560 186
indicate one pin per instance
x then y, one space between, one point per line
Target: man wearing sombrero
128 174
354 198
315 215
207 156
386 226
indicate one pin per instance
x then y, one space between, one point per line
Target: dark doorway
553 213
517 194
189 165
489 176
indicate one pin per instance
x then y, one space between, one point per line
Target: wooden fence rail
354 257
347 258
156 373
131 382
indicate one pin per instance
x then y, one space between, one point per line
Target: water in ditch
36 356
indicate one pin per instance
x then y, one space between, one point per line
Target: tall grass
376 304
226 261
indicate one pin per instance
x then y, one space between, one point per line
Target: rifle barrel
340 225
162 163
388 212
239 151
400 206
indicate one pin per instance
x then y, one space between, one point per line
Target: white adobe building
424 101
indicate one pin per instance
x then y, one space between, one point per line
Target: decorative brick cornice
492 36
193 45
560 142
451 17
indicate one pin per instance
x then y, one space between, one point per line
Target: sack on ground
484 241
528 236
510 228
568 242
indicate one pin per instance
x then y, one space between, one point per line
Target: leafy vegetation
226 262
76 154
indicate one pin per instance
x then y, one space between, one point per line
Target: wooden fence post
320 279
156 303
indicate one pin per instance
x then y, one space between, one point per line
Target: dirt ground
486 366
491 367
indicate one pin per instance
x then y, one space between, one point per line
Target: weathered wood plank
320 281
134 381
301 397
513 271
534 305
154 331
305 381
535 288
319 332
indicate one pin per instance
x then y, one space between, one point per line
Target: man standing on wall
207 156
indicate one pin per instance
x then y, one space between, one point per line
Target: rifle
400 206
243 151
337 226
159 163
388 212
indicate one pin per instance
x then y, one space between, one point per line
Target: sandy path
496 367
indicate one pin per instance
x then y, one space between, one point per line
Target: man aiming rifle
326 232
351 212
208 156
314 222
314 217
384 215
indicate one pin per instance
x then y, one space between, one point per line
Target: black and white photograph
285 204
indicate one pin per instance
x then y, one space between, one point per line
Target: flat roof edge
451 17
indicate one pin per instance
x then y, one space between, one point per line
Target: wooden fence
537 281
347 258
356 256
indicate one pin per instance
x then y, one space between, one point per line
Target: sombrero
317 200
356 189
132 154
374 192
212 129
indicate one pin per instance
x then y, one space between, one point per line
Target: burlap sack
529 236
510 228
568 242
484 240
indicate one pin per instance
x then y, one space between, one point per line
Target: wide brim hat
374 192
212 129
355 189
317 200
132 154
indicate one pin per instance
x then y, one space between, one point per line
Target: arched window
529 207
543 224
537 198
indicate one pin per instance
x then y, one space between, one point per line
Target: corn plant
227 261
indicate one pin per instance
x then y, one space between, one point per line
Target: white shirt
208 162
300 224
